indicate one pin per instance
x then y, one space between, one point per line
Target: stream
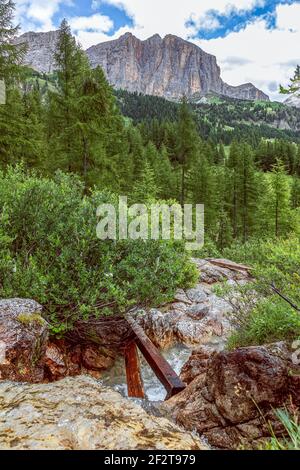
177 356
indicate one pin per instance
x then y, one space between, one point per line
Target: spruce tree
145 188
202 187
279 200
296 192
247 191
233 183
294 86
71 64
10 55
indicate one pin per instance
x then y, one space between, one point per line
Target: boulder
81 414
23 340
231 395
197 316
197 364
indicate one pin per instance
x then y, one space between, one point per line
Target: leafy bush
270 321
49 251
270 318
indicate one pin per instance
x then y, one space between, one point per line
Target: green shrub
49 251
270 321
270 318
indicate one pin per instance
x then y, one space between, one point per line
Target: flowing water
177 356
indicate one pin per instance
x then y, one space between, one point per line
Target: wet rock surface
231 395
64 359
23 340
197 316
80 414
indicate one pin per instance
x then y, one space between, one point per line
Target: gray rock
41 48
81 414
197 316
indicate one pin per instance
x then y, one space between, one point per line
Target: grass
291 427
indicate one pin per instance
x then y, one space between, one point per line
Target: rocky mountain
294 99
40 53
170 67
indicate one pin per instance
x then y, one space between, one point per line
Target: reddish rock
197 364
65 359
97 359
233 395
23 340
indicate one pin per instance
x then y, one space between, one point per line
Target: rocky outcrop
23 340
231 395
40 50
168 67
80 414
28 355
293 100
197 316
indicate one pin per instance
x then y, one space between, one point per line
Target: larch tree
187 138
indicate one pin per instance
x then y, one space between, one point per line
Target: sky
254 40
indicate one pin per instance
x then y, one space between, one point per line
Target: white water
177 356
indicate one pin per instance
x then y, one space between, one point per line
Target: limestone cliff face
169 67
41 47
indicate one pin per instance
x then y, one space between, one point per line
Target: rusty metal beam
158 364
133 372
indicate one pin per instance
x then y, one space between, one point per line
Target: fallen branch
277 291
230 265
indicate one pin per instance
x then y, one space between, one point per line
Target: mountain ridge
169 67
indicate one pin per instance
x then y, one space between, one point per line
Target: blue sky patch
80 8
236 20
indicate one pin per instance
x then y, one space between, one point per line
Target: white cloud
94 23
38 14
170 16
91 29
288 17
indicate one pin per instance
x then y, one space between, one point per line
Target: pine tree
294 86
165 176
100 130
22 133
12 129
233 182
279 200
247 191
145 189
187 138
202 187
242 189
10 55
295 197
71 64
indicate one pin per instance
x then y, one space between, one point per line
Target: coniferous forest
73 141
69 142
